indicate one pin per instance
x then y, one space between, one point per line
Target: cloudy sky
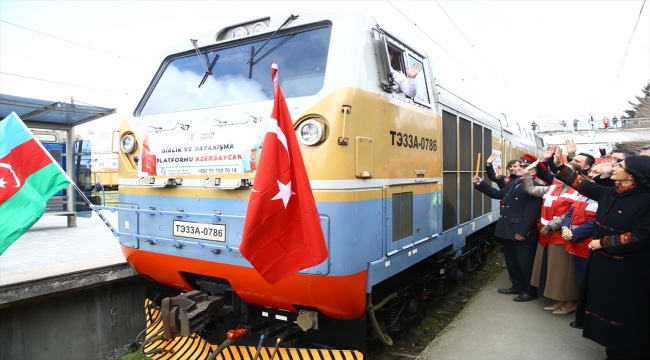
541 60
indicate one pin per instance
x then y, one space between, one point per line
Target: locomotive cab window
405 70
396 60
422 95
300 54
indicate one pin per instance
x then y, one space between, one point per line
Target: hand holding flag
282 233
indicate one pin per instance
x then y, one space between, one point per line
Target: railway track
440 311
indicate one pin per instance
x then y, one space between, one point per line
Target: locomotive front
188 158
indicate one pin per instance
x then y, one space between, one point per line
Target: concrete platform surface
51 249
495 327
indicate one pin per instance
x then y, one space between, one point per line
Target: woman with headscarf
614 304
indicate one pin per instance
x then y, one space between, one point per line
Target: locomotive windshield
301 56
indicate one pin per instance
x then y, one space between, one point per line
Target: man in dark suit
517 229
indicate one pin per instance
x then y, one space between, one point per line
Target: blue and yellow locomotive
391 174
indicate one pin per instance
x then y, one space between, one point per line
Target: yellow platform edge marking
194 347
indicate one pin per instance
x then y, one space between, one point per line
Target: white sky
547 59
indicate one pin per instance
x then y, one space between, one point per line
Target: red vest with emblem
582 212
555 205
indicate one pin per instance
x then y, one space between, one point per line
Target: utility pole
70 168
592 128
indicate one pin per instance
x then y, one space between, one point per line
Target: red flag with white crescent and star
282 232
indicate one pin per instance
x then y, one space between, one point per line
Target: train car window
301 57
56 154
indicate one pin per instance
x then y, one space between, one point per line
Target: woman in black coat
614 304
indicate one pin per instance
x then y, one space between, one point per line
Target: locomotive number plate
214 232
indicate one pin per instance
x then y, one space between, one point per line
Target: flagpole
92 206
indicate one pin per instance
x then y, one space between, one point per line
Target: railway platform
51 249
495 327
53 258
67 292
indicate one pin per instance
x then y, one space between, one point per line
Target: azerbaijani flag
28 178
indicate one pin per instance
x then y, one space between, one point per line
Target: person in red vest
577 229
554 271
578 226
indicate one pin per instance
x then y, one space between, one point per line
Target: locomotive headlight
128 143
239 32
310 132
259 27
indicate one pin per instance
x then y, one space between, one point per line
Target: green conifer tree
642 108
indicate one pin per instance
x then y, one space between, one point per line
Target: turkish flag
282 231
148 159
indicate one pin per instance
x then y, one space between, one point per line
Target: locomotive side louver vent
402 215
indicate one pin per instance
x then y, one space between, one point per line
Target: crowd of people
578 232
591 123
607 123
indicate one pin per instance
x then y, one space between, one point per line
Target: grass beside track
440 312
132 356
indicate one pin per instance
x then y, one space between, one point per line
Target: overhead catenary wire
62 83
22 56
453 58
470 43
628 47
75 43
430 38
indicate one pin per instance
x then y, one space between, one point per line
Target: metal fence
636 123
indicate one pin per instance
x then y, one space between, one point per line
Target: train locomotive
391 176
